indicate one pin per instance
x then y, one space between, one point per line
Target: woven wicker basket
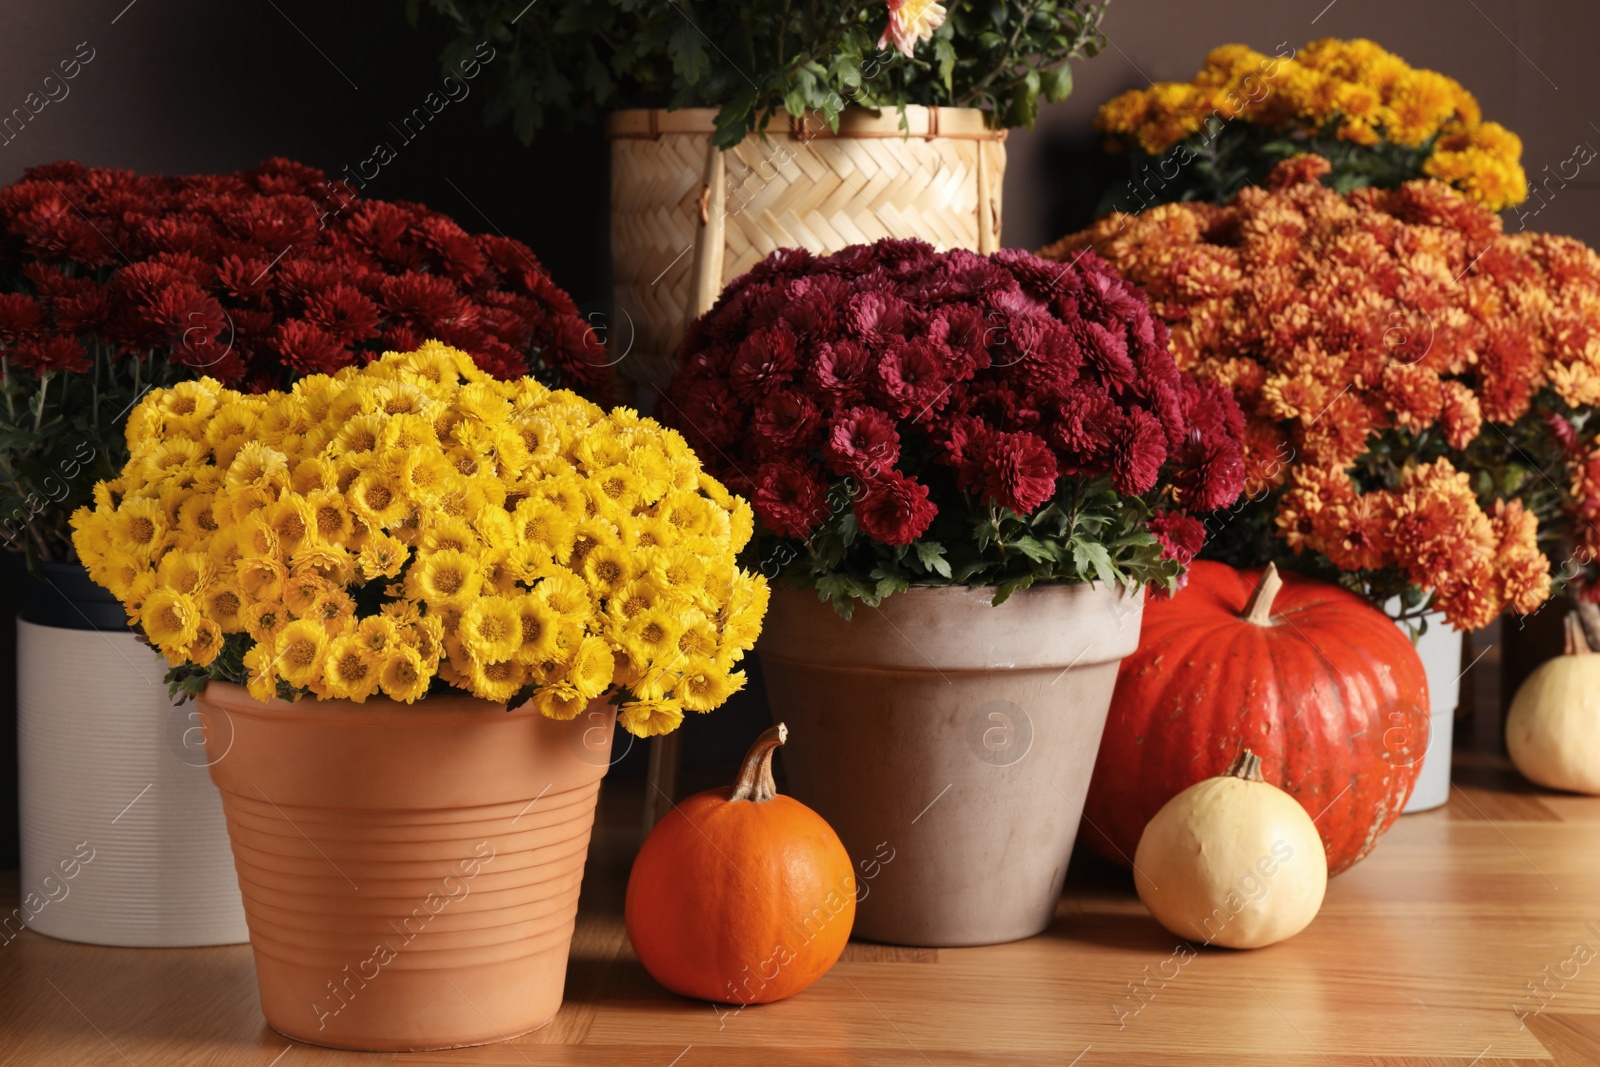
686 219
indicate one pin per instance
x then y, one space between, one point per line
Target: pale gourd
1553 727
1232 861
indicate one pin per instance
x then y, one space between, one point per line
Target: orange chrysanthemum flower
1396 355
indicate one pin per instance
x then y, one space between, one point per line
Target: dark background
187 86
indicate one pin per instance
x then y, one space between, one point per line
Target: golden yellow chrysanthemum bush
417 526
1376 119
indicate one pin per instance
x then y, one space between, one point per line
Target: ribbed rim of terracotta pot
961 123
958 628
432 710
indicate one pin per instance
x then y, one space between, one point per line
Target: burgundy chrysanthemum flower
343 312
20 317
1139 450
1181 536
1019 471
790 499
51 353
995 377
786 421
861 441
911 378
1211 471
309 350
840 368
764 362
894 508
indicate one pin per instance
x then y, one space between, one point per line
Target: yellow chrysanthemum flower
170 618
566 594
559 701
403 674
649 718
497 680
139 527
298 652
350 670
705 685
592 667
448 576
494 535
491 628
1352 90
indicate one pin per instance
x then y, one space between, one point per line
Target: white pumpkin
1553 727
1232 861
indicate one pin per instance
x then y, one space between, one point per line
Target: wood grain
1453 945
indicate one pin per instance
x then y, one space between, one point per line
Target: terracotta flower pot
410 873
950 744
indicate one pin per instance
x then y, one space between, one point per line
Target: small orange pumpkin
740 895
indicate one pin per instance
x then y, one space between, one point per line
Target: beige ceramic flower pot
410 873
950 744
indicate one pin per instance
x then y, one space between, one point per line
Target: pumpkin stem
1589 622
755 776
1259 610
1247 766
1577 642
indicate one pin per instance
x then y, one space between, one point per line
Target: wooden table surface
1424 954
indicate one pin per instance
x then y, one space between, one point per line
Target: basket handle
710 242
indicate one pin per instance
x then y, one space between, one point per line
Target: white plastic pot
1440 649
123 838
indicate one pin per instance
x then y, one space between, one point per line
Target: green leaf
1038 552
687 49
944 56
931 555
1087 555
1057 83
1003 592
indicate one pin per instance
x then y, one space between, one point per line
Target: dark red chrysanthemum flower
20 317
1139 450
765 361
309 350
841 368
422 301
911 379
1181 536
1019 471
344 313
1211 471
894 508
1010 372
862 441
785 422
51 353
790 499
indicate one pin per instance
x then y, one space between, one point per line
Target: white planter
1440 649
123 839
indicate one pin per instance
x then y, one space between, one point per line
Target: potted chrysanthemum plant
113 284
1375 118
412 599
1419 389
965 472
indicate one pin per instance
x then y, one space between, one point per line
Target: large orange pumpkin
741 895
1323 686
